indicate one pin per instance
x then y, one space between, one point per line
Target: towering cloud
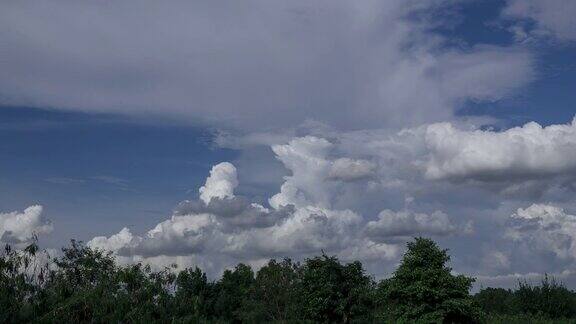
362 194
220 183
221 228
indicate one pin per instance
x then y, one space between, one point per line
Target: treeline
87 286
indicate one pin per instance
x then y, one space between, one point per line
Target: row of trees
86 285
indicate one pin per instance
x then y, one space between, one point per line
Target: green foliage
194 295
232 289
273 296
423 289
21 279
496 301
524 319
87 286
330 292
549 301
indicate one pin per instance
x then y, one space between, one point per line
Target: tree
232 289
496 300
88 286
195 296
551 299
423 288
330 292
273 296
21 280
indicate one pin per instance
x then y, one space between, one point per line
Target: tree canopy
84 285
424 289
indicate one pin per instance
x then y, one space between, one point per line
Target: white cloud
552 17
401 226
525 152
114 242
265 67
448 151
484 168
391 186
545 228
20 227
306 158
255 65
227 228
221 182
496 260
346 169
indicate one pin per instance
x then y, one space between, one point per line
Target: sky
207 133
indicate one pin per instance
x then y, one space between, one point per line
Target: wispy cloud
65 181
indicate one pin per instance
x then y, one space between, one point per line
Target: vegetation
423 289
87 286
550 302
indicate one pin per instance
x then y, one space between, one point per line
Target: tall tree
273 296
424 289
232 289
330 292
194 296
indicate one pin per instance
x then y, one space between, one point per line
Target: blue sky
118 170
113 122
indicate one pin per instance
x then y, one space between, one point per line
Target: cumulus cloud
346 169
361 194
393 226
528 151
530 242
221 182
20 227
520 161
236 212
306 158
545 228
114 242
467 171
221 228
552 17
244 65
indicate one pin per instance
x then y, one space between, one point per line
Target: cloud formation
529 151
545 228
346 169
396 163
552 17
362 194
531 241
220 183
221 228
477 176
250 66
20 227
401 226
